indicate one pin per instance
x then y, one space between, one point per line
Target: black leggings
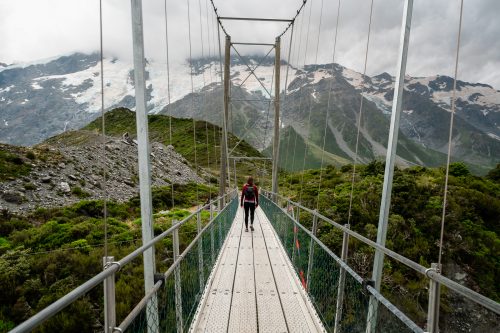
249 206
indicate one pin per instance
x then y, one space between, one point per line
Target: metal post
311 251
144 162
340 291
397 103
212 234
201 268
221 225
177 280
434 300
212 243
235 179
223 164
295 236
276 140
109 298
283 224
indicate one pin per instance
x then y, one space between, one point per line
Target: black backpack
249 192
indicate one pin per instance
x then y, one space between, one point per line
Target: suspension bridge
280 277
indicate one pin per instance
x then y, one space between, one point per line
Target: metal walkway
253 287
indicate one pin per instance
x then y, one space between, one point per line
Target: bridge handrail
398 313
429 272
140 306
82 289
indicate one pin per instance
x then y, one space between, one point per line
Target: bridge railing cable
188 266
319 270
189 291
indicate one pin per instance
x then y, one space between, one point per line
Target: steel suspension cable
267 119
210 38
301 97
450 137
245 129
192 94
204 94
103 134
291 126
169 109
223 122
264 163
168 73
359 117
230 125
315 66
304 2
255 67
290 45
214 68
218 21
330 88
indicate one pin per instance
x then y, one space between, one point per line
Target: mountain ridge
69 167
64 94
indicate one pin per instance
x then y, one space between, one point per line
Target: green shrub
6 326
29 186
77 191
494 174
459 169
12 166
81 245
30 155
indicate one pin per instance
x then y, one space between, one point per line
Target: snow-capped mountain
425 120
477 103
44 98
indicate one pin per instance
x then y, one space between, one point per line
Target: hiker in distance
250 201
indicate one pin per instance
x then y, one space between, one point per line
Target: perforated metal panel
243 317
215 308
270 314
254 287
297 313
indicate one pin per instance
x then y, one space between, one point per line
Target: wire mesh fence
172 307
459 314
340 296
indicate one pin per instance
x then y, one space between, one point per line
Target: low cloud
35 29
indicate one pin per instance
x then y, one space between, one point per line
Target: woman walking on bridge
250 201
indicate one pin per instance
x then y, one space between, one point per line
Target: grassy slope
16 162
11 165
293 148
120 121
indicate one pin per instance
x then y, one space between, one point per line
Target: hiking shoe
246 229
251 227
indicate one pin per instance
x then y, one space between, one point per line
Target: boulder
64 187
46 179
13 197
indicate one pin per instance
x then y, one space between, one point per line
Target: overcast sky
37 29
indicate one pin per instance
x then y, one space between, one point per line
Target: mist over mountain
45 98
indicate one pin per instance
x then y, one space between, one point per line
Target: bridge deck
253 287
